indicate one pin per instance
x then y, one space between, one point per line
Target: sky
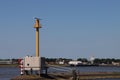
70 28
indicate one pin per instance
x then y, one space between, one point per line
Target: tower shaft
37 26
37 42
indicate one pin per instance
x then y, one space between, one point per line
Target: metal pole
37 42
37 26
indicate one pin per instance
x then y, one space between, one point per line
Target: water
86 69
8 73
98 69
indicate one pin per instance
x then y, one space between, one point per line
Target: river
7 73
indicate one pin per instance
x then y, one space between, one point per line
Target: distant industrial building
75 63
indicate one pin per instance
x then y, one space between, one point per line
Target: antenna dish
37 24
38 18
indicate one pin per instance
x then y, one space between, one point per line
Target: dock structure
33 64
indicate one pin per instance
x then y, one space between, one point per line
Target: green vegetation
98 61
82 59
106 61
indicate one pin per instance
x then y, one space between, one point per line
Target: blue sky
70 28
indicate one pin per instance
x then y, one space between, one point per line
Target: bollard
74 75
31 71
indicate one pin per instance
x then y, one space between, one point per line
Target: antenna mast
37 26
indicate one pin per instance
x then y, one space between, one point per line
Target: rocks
26 77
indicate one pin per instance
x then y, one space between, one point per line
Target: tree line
66 60
95 61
